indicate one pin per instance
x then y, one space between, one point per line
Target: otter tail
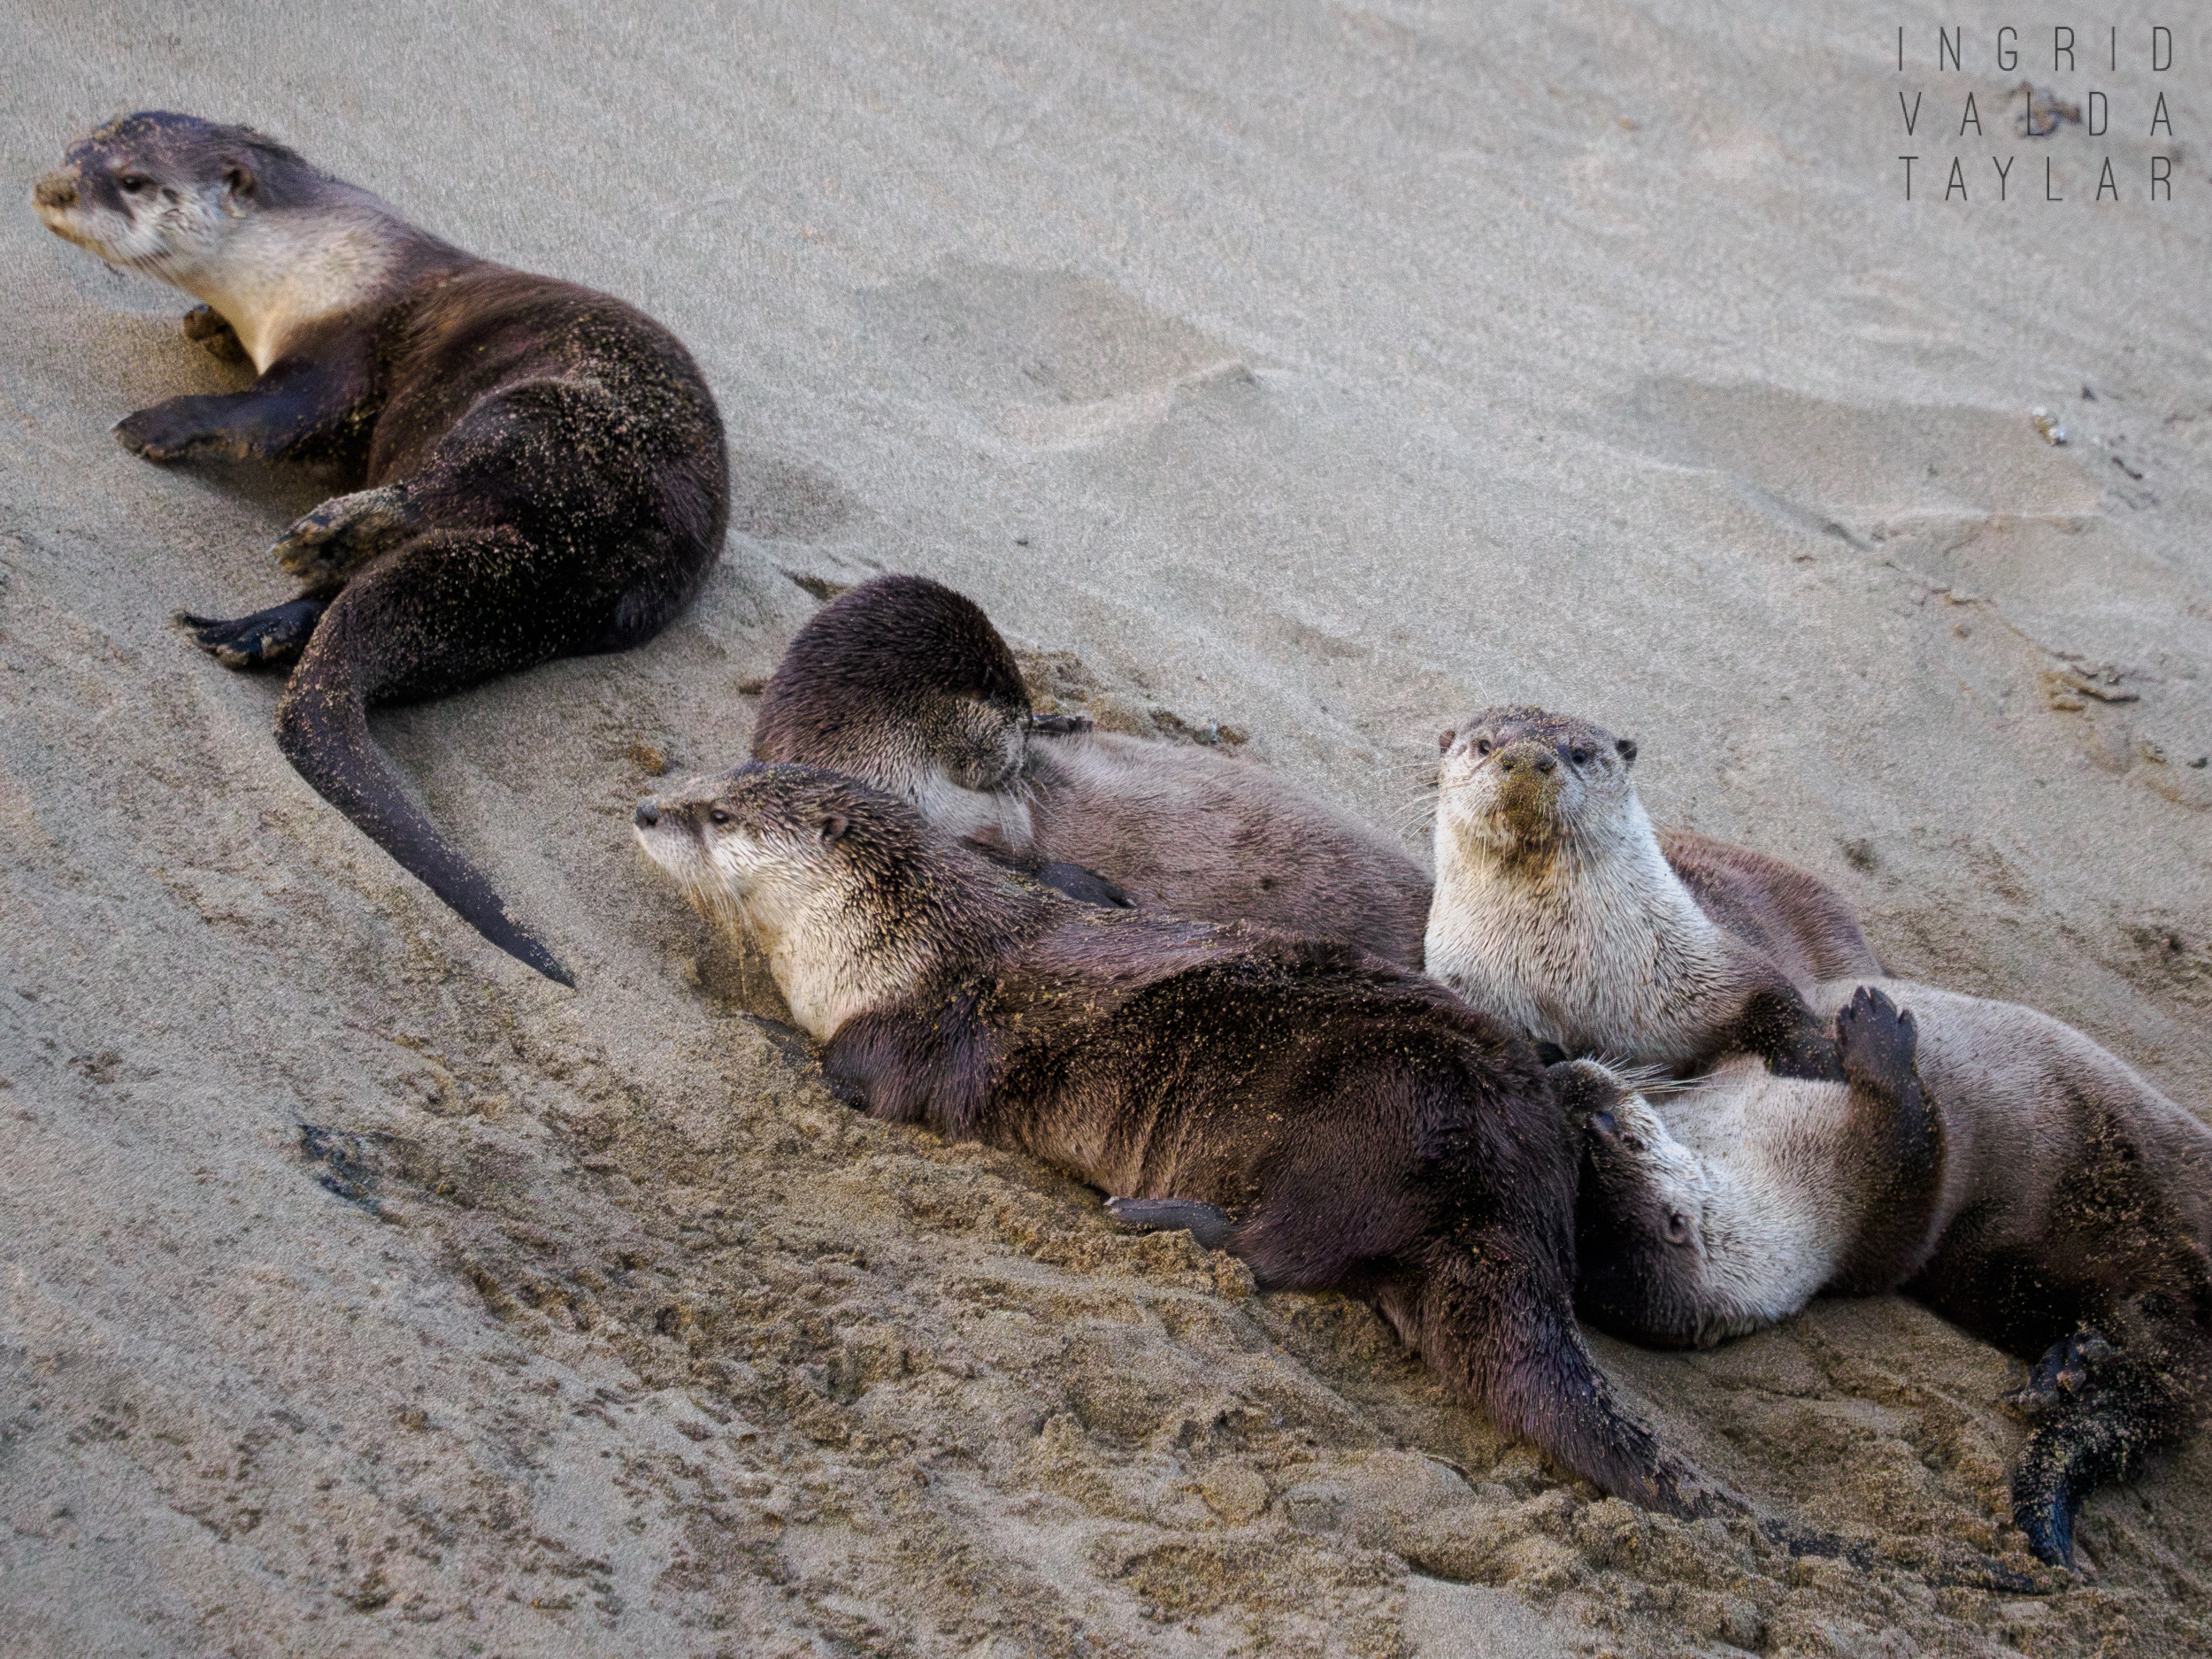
393 632
2128 1410
1508 1342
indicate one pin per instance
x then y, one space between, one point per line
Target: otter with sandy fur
1369 1133
540 469
1981 1156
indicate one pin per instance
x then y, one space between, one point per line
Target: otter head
1516 784
844 886
1641 1244
906 683
163 195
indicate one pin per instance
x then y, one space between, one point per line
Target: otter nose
55 190
649 812
1534 755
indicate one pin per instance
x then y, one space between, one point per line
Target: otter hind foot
216 337
342 534
267 639
1208 1226
2069 1367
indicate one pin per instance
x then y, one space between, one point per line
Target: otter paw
167 431
2061 1374
343 533
264 640
1877 1041
1059 725
216 337
1208 1226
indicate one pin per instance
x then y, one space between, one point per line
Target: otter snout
649 812
1526 756
56 190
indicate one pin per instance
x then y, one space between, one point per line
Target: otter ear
238 177
833 827
1627 748
1444 740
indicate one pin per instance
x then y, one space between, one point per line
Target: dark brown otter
905 683
540 469
1366 1131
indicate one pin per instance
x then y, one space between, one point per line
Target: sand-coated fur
906 683
1986 1159
538 470
1364 1130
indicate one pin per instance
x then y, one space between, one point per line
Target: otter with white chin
539 469
1355 1127
1985 1159
1560 910
905 683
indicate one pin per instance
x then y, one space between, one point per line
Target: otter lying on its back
1991 1161
538 469
1366 1131
905 683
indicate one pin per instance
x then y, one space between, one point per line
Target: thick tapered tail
1508 1342
2105 1435
322 725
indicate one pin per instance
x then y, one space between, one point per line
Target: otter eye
1677 1227
132 182
1482 745
1580 756
717 815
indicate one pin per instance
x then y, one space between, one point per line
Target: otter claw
343 533
2064 1372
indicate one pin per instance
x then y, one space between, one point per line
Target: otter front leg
296 401
1892 1148
205 325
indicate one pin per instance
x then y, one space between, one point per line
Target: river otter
1369 1133
539 469
905 683
1559 910
1988 1160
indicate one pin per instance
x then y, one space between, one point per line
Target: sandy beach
1326 371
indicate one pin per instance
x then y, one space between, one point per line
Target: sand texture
1321 371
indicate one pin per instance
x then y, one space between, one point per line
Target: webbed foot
266 639
169 431
216 337
1877 1041
1210 1227
342 534
2061 1374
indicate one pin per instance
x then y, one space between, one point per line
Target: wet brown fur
906 683
538 470
1366 1131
